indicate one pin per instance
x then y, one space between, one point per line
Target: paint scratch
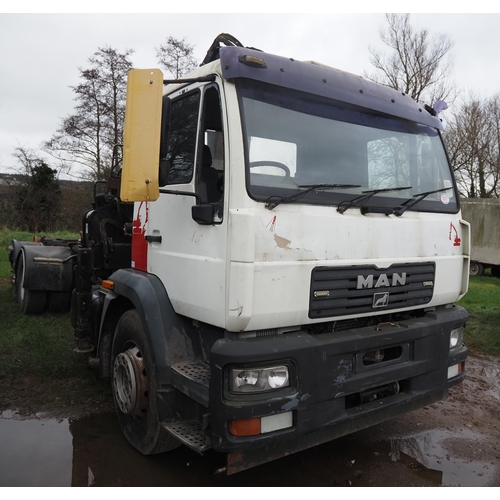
281 242
271 224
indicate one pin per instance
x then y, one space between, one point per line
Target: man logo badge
380 300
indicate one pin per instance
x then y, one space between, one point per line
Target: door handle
153 238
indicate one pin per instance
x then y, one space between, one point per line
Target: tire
476 269
58 301
133 383
29 301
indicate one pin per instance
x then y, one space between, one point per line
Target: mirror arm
183 193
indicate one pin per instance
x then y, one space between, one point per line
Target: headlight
258 379
456 337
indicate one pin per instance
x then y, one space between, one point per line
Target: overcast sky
41 52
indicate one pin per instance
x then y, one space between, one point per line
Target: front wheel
134 388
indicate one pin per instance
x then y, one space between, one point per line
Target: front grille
339 291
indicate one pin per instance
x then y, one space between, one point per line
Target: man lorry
278 266
483 215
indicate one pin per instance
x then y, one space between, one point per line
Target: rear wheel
29 301
58 301
476 269
134 388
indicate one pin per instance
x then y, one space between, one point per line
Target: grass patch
483 303
35 346
39 368
38 363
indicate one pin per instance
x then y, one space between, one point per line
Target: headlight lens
258 379
456 337
278 378
246 377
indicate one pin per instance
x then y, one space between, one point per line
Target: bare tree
176 56
473 142
89 136
418 64
494 156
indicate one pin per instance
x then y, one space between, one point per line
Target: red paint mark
139 243
456 241
272 224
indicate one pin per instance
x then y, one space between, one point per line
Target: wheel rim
474 269
130 383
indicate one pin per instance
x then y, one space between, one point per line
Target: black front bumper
330 387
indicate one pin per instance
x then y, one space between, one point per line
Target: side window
211 157
182 138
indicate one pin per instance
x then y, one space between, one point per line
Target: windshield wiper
307 189
417 198
365 195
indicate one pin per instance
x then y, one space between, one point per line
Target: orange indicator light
108 284
245 427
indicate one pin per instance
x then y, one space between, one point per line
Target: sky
40 52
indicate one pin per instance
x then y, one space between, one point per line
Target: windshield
295 140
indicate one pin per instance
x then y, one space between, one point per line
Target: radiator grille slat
335 292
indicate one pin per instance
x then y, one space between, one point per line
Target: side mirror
203 214
141 136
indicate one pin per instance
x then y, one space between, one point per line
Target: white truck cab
290 270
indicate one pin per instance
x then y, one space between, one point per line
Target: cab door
188 256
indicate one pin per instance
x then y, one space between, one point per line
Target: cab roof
242 62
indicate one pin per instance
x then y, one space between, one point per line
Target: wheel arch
114 307
48 268
166 331
17 246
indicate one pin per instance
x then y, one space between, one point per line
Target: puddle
35 452
429 449
92 452
489 366
490 371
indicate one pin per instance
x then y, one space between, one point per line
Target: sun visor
317 79
141 136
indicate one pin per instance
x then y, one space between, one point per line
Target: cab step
192 378
191 434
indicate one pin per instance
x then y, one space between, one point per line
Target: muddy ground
469 419
453 442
